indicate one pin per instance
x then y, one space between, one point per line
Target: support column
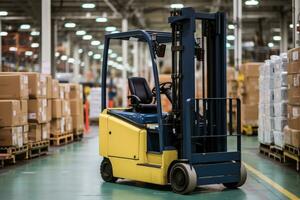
46 37
284 34
0 46
53 46
237 20
295 11
76 64
135 58
125 63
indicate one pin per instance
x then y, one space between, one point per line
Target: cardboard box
61 92
25 128
287 135
35 133
66 111
57 126
10 113
251 69
75 91
25 138
48 86
37 111
9 136
37 85
294 89
49 110
295 138
77 122
45 131
249 114
293 55
55 89
13 86
65 87
68 124
24 112
56 108
76 106
293 68
230 74
294 117
251 97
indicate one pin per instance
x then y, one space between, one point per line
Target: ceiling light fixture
119 59
110 28
71 60
88 5
70 25
35 33
101 19
28 53
64 57
96 56
3 33
251 2
230 37
113 55
276 38
80 32
13 49
3 13
270 44
25 26
90 53
176 5
35 45
80 50
95 42
57 54
87 37
231 26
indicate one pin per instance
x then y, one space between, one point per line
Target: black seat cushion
139 87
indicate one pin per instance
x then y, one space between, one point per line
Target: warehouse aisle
71 172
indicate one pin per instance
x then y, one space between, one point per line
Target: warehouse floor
72 172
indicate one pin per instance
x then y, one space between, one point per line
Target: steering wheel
163 87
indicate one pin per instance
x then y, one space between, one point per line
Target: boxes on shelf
11 136
45 128
56 108
13 86
55 89
10 113
35 132
25 133
57 126
37 110
68 124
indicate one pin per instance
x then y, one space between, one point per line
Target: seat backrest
138 86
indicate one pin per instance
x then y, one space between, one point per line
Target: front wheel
183 178
243 178
106 171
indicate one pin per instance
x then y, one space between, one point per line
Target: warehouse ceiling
260 22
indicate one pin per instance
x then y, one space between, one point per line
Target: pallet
61 139
36 149
264 149
14 153
276 153
250 130
292 153
5 157
77 135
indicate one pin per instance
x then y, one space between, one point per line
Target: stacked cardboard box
273 100
249 93
292 131
76 105
13 107
39 106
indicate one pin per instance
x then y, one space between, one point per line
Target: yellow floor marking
278 187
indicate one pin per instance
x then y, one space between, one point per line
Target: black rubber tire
242 179
106 171
183 178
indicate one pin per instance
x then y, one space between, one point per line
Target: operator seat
141 95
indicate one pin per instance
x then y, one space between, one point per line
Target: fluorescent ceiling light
96 56
35 33
35 45
82 64
228 45
109 51
110 62
64 57
113 55
80 50
90 53
28 53
95 42
101 19
276 38
230 37
248 44
71 60
87 37
176 5
231 26
80 32
25 26
110 28
13 49
119 59
251 2
292 25
270 44
3 33
57 54
88 5
70 25
3 13
101 46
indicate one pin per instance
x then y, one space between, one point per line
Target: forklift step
149 165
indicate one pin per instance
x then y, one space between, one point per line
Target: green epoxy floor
72 172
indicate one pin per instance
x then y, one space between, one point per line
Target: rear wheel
243 179
106 171
183 178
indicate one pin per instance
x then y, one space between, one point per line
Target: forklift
192 145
